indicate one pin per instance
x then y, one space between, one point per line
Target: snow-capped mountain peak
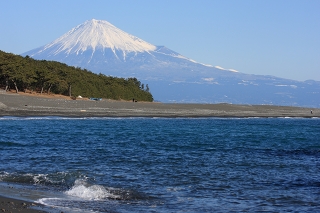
94 34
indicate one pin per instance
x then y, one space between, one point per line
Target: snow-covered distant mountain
95 35
103 48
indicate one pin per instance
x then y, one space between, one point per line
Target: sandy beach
24 104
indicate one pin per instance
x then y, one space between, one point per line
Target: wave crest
83 190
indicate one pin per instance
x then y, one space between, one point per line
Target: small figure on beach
311 111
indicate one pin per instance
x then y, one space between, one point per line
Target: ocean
162 164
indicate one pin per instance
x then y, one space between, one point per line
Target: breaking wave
94 198
82 189
73 184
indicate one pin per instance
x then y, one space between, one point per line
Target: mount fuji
101 47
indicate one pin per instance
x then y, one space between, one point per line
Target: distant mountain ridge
102 48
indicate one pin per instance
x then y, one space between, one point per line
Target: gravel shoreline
12 104
14 206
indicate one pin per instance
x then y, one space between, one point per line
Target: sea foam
83 190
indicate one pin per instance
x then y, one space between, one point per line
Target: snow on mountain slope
101 47
98 37
95 34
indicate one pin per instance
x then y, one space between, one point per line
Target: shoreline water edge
12 104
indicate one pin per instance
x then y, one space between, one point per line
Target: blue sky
268 37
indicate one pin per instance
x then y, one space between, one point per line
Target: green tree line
27 74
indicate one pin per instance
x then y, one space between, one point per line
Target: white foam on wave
89 192
48 201
3 175
293 118
30 118
62 205
10 118
57 178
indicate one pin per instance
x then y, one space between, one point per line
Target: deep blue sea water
162 164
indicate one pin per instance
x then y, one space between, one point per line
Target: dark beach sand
12 104
12 205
